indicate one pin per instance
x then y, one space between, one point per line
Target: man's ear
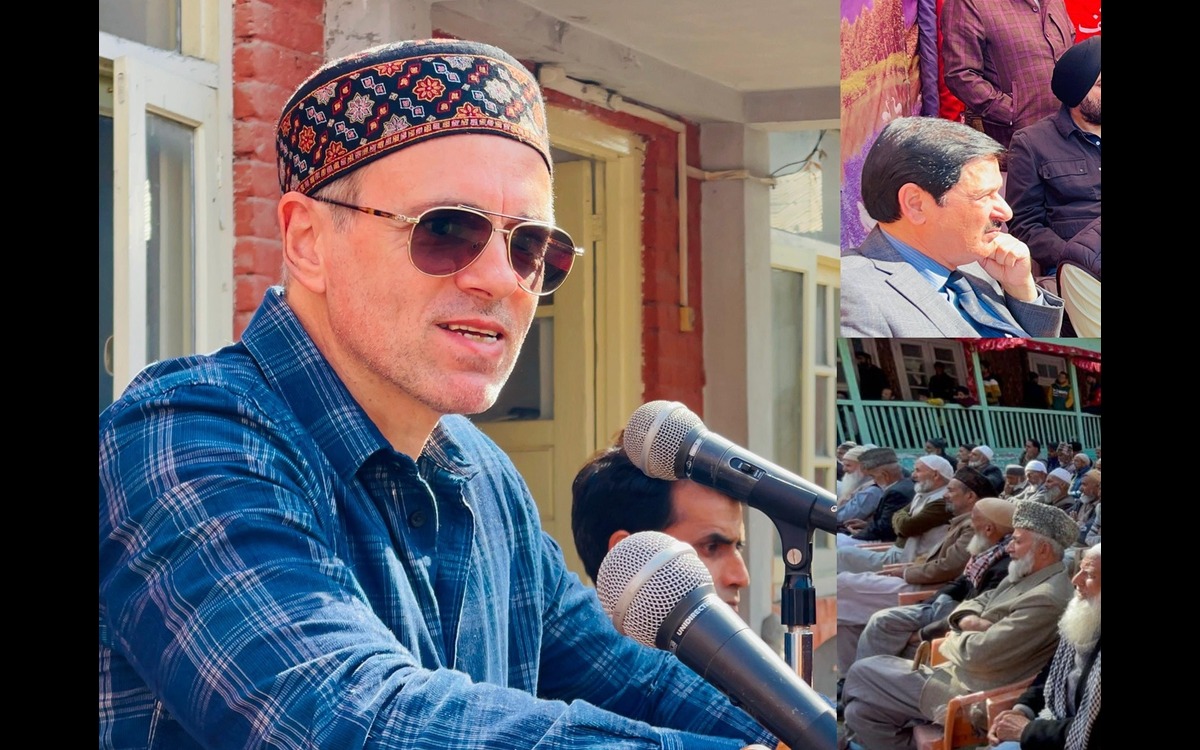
914 202
616 537
301 225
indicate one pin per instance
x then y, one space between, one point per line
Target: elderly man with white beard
1056 490
1061 708
1035 478
860 495
898 630
919 527
1000 637
981 460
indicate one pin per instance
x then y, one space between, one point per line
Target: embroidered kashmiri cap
1046 520
359 108
1076 72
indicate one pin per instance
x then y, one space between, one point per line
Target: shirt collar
933 272
297 371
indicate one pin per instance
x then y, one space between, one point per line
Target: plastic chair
1080 292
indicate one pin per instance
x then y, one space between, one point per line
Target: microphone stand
798 598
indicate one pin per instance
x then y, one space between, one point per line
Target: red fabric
949 106
1085 359
1085 14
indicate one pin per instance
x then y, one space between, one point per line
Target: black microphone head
654 435
643 578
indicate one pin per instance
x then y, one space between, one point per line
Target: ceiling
771 64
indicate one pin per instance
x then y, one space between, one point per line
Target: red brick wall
276 43
671 360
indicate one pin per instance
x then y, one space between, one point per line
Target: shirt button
417 519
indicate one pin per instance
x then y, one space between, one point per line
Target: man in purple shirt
999 56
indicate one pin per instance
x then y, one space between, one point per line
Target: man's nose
1003 211
737 575
491 274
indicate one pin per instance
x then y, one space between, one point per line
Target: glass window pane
787 290
529 392
169 201
151 22
106 259
821 417
824 328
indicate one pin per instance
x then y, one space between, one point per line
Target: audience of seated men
898 630
919 527
998 638
861 595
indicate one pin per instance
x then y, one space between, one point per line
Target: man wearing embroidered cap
302 542
997 638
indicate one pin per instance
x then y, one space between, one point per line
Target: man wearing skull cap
303 541
1054 168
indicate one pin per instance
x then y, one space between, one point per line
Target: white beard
1018 568
1080 623
850 483
976 464
978 545
1055 493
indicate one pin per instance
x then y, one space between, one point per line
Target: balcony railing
906 425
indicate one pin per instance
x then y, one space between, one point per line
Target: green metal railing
906 425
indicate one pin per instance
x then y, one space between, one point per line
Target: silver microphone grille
654 435
643 578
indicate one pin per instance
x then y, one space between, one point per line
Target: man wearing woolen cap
303 543
1054 165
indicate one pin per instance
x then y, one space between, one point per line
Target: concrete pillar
736 258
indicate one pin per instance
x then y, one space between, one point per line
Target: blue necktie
973 309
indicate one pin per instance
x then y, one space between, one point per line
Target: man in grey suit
938 264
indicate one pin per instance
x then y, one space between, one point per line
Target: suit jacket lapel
912 286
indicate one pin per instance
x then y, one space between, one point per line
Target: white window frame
194 88
960 361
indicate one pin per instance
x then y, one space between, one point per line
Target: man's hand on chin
1010 264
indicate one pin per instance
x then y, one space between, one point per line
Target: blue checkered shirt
274 574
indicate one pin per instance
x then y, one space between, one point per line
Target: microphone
666 440
660 594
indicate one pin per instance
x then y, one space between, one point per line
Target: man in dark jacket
1054 166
